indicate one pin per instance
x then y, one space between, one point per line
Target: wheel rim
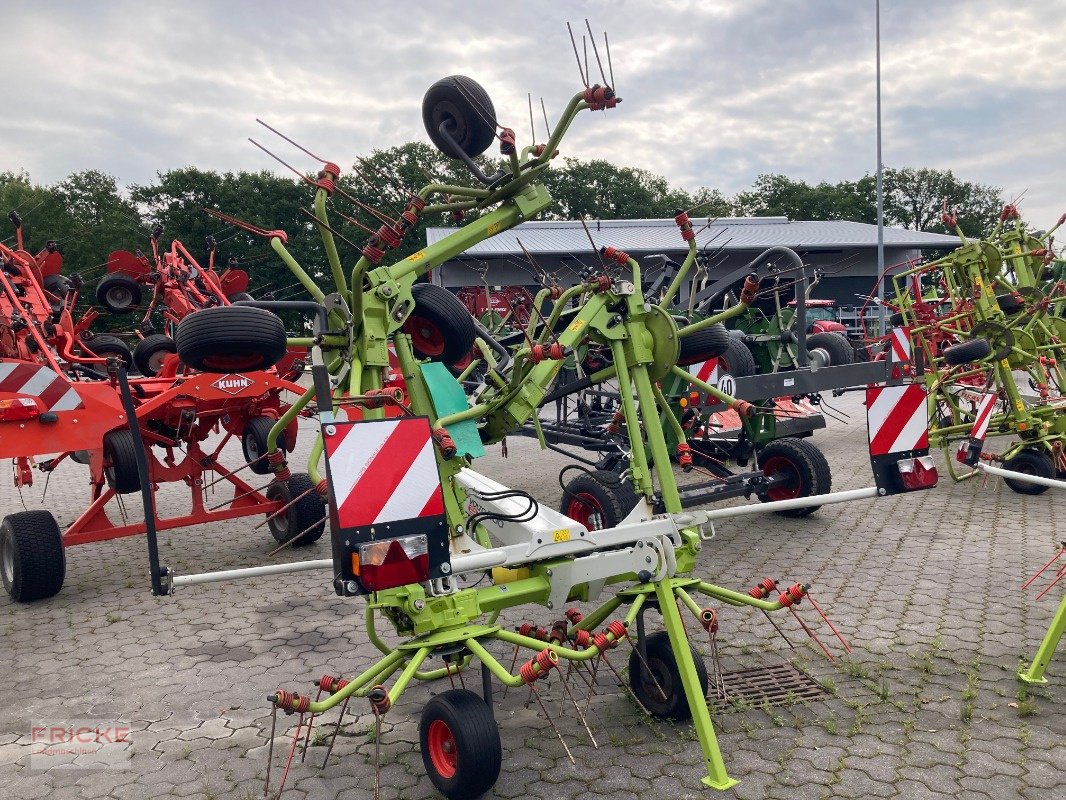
780 465
425 336
655 682
155 361
7 560
120 297
586 509
442 748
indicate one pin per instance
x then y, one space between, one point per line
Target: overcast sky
715 92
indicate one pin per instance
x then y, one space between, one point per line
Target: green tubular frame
1035 672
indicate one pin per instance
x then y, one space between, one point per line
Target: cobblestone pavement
925 586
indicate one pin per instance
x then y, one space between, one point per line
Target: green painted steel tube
639 458
667 414
713 391
291 413
675 284
408 673
600 615
389 664
737 598
557 310
516 593
537 645
721 316
329 245
690 604
495 667
1035 671
305 280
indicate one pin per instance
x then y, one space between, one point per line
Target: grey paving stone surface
925 586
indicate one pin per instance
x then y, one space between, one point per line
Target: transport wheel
967 352
701 345
804 467
306 516
107 346
57 285
658 685
32 562
254 443
231 339
836 344
118 293
460 742
120 462
237 297
737 359
466 108
1029 461
440 327
1009 304
151 351
598 500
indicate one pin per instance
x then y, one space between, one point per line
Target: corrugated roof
658 235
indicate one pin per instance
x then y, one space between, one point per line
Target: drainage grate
777 685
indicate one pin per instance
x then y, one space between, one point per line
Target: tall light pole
880 186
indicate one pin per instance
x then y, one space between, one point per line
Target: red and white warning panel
386 504
897 419
52 390
969 452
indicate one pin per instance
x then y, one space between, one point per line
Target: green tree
601 190
914 198
778 195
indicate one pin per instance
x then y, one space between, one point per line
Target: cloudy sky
715 91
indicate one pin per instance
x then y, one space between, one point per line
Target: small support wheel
306 518
254 443
737 359
464 108
967 352
120 462
703 344
151 351
118 293
32 562
440 326
1029 461
835 344
105 345
801 469
461 747
658 685
598 500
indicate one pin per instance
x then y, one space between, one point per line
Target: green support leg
717 777
1035 673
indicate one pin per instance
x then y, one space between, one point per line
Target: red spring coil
601 642
551 352
379 700
278 465
582 638
538 151
1010 211
616 255
555 292
445 443
327 184
616 629
547 660
709 620
388 236
792 595
762 589
615 424
526 673
749 290
329 168
410 217
291 701
744 408
374 254
573 615
327 683
417 203
682 219
457 215
507 142
322 487
558 634
600 97
684 456
527 628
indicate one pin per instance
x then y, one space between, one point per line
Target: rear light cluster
917 473
18 408
390 563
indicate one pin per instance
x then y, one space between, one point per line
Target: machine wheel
107 346
32 562
967 352
460 742
658 685
804 465
254 444
231 339
151 351
440 326
462 102
118 293
701 345
737 359
598 500
57 285
896 320
237 297
120 460
1009 304
1030 461
837 345
306 512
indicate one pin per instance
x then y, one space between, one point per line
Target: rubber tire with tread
116 281
478 751
663 665
836 344
38 563
254 443
444 311
120 451
967 352
810 464
300 516
1008 304
149 347
57 285
737 359
612 494
231 339
707 343
107 346
1032 462
463 101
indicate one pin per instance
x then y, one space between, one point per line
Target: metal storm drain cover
775 685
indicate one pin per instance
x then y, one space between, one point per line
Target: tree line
90 215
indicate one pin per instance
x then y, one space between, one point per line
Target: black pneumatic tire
297 518
118 293
967 352
598 500
836 344
1009 304
461 102
149 353
107 346
667 678
254 443
120 458
806 467
440 326
57 285
1031 462
231 339
460 743
32 561
737 359
703 344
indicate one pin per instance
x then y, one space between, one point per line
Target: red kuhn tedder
59 399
